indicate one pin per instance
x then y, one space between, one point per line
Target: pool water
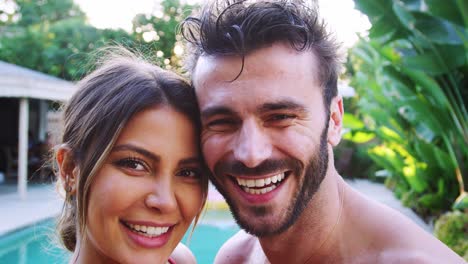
37 244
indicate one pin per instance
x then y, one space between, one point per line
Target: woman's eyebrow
189 161
144 152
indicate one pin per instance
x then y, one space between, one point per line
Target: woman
130 165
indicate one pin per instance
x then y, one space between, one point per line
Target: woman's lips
148 235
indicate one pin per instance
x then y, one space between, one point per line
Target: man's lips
258 186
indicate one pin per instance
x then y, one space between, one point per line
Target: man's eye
281 117
190 173
280 120
221 124
131 163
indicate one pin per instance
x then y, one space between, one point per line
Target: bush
452 229
352 161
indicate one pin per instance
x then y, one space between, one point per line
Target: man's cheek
210 153
214 148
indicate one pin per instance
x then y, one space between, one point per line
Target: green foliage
37 12
352 161
452 229
411 80
52 36
462 202
58 49
351 158
159 32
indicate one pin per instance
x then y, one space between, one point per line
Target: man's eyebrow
216 110
285 104
139 150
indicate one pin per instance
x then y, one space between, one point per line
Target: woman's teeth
149 231
268 184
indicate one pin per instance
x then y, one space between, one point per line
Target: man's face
264 134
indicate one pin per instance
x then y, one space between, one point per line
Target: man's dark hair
239 27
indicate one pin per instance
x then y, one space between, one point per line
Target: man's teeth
260 182
259 191
149 231
247 184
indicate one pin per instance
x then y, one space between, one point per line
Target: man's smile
260 186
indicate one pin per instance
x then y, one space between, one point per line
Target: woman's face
147 192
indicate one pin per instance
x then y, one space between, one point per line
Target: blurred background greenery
406 126
54 37
409 116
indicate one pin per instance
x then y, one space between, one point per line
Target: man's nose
253 145
162 198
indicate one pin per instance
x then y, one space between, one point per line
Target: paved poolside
43 202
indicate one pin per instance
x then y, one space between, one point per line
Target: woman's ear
336 120
68 171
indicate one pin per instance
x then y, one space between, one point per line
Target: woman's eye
131 163
189 173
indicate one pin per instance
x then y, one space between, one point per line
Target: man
265 74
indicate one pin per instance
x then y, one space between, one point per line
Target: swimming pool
36 244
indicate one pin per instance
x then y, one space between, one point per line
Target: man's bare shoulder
238 249
387 236
416 256
400 256
182 254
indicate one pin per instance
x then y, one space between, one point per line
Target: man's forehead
209 67
228 68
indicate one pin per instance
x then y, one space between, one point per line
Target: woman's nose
162 198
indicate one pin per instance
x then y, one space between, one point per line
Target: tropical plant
411 77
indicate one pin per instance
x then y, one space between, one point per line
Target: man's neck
315 231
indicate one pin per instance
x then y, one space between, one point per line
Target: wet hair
239 27
121 86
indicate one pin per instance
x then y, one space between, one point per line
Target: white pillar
43 107
23 147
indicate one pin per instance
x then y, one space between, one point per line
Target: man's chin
259 221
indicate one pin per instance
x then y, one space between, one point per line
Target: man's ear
68 171
336 120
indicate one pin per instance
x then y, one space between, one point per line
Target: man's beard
313 174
